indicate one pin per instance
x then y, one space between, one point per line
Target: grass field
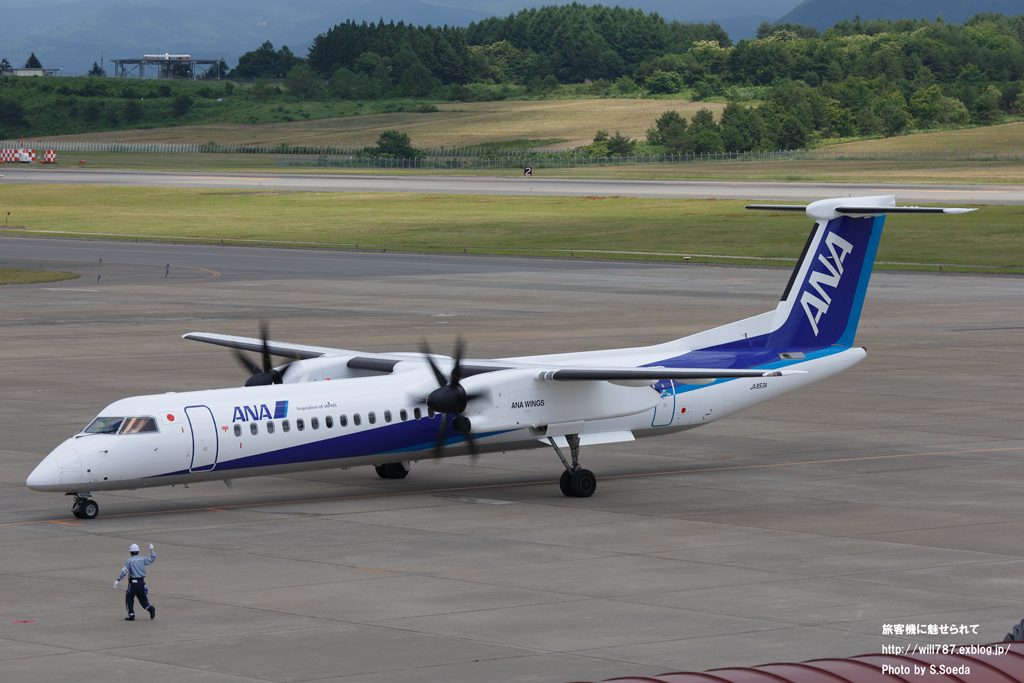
1008 137
14 276
621 228
455 125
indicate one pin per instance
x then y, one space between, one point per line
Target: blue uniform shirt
136 566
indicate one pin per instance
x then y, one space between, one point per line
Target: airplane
337 408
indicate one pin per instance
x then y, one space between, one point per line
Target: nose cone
57 470
45 477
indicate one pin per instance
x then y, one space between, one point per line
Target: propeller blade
425 350
264 334
441 432
459 348
473 450
246 362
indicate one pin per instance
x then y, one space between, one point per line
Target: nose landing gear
84 507
575 482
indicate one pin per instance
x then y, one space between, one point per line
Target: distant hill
822 14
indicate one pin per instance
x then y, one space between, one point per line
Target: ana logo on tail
839 249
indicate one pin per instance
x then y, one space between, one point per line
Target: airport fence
563 160
482 157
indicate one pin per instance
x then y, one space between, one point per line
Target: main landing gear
575 482
84 507
392 470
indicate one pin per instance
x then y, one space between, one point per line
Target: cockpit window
138 425
104 425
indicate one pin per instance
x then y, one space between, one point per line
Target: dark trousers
136 589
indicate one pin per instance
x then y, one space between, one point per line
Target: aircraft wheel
582 483
382 471
563 483
89 509
396 470
76 509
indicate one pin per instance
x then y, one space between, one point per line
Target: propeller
267 374
450 399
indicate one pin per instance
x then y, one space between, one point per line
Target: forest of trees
790 86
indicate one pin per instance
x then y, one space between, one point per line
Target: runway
572 187
799 529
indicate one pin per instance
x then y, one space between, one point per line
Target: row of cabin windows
314 422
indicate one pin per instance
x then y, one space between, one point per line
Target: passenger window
403 414
300 424
285 426
314 422
104 425
254 427
372 417
329 422
416 413
139 425
355 419
270 428
430 412
238 430
387 416
342 421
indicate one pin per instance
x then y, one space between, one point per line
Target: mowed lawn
643 228
460 124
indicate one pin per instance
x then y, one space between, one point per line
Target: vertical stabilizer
822 302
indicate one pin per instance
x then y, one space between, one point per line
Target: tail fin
822 303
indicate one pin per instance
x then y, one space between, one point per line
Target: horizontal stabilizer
828 209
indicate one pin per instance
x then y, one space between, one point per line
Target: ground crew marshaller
135 569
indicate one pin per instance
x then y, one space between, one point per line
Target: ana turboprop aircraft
336 408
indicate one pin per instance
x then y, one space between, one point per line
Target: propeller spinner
267 374
450 399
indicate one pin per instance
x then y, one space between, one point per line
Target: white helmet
133 548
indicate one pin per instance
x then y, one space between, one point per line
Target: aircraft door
204 438
666 408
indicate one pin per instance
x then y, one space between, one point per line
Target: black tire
583 483
76 510
90 509
396 470
563 483
382 471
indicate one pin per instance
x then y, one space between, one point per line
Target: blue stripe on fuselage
402 437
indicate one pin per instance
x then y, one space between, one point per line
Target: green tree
265 62
12 113
341 83
987 105
32 62
669 130
891 108
662 82
620 144
302 84
396 144
133 111
181 104
703 135
5 65
926 106
417 81
96 70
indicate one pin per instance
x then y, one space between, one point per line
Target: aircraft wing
609 374
285 350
